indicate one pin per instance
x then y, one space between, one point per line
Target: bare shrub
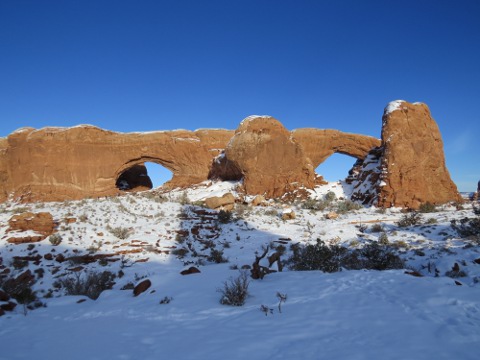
225 216
90 284
235 291
217 257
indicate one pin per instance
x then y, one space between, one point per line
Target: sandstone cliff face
271 161
410 169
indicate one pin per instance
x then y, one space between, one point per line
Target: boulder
225 202
288 214
39 222
332 215
4 296
141 287
258 200
190 270
409 167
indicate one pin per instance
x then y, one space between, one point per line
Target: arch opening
142 176
336 167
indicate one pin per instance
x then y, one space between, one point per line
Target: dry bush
235 291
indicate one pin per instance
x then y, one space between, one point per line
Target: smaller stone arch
133 176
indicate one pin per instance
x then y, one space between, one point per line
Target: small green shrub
318 256
120 232
334 257
55 239
427 208
376 228
346 206
330 196
412 219
235 291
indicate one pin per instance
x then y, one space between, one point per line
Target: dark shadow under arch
142 174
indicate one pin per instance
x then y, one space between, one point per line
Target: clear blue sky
159 65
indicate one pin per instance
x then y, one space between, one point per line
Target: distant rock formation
406 168
409 167
55 164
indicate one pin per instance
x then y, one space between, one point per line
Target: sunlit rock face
409 168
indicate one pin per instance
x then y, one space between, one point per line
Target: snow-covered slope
361 314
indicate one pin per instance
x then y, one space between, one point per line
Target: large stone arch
73 163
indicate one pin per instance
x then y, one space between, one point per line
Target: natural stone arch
321 144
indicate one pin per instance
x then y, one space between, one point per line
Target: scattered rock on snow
226 202
141 287
190 270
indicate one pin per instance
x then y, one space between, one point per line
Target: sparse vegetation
467 227
376 228
90 284
347 205
217 257
427 208
225 216
55 239
119 232
331 258
411 219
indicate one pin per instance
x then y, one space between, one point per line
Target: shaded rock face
134 178
272 163
409 168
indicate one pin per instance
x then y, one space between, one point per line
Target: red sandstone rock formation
271 162
409 168
72 163
53 164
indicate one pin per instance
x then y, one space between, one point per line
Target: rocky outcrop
41 224
409 167
271 161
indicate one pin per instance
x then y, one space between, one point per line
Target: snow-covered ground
361 314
